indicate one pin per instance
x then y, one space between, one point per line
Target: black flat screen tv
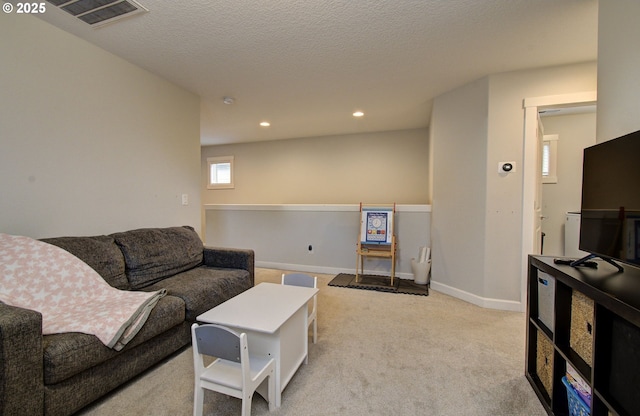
610 212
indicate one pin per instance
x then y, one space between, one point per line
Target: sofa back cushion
100 253
153 254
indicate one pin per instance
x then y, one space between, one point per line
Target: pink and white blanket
70 295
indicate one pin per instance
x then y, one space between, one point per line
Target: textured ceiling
306 65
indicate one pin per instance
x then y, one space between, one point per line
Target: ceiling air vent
100 12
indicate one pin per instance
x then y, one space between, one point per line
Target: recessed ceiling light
265 124
358 114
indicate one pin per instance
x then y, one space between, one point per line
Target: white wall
618 66
383 167
480 260
89 143
575 132
506 125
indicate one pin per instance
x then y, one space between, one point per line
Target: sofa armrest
21 372
231 258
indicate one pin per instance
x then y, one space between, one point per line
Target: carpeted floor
377 354
380 283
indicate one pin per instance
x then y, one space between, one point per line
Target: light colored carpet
377 354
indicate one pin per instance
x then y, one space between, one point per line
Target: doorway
531 179
567 132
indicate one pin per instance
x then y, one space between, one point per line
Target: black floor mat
380 283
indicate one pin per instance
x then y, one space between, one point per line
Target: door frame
532 106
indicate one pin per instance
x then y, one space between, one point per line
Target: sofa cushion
100 253
70 353
152 254
204 287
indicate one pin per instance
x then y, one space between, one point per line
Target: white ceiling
306 65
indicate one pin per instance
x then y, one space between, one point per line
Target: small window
220 172
550 158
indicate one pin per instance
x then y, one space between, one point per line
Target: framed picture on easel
377 225
376 236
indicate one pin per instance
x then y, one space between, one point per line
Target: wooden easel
376 238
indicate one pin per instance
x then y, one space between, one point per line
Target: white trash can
420 271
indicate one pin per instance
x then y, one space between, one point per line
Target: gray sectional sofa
59 374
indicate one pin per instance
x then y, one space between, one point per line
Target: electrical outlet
185 199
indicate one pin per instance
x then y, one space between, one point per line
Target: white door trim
531 107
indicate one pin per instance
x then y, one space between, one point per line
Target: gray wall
458 134
281 235
89 143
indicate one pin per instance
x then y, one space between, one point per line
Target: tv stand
588 319
583 260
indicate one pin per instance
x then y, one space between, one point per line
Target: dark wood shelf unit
540 326
609 361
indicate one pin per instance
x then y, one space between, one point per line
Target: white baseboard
320 269
489 303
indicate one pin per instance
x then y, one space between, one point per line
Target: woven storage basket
544 362
581 339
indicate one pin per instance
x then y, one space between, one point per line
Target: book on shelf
581 387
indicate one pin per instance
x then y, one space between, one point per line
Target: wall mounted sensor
506 167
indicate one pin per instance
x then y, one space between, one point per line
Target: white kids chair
234 372
305 280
